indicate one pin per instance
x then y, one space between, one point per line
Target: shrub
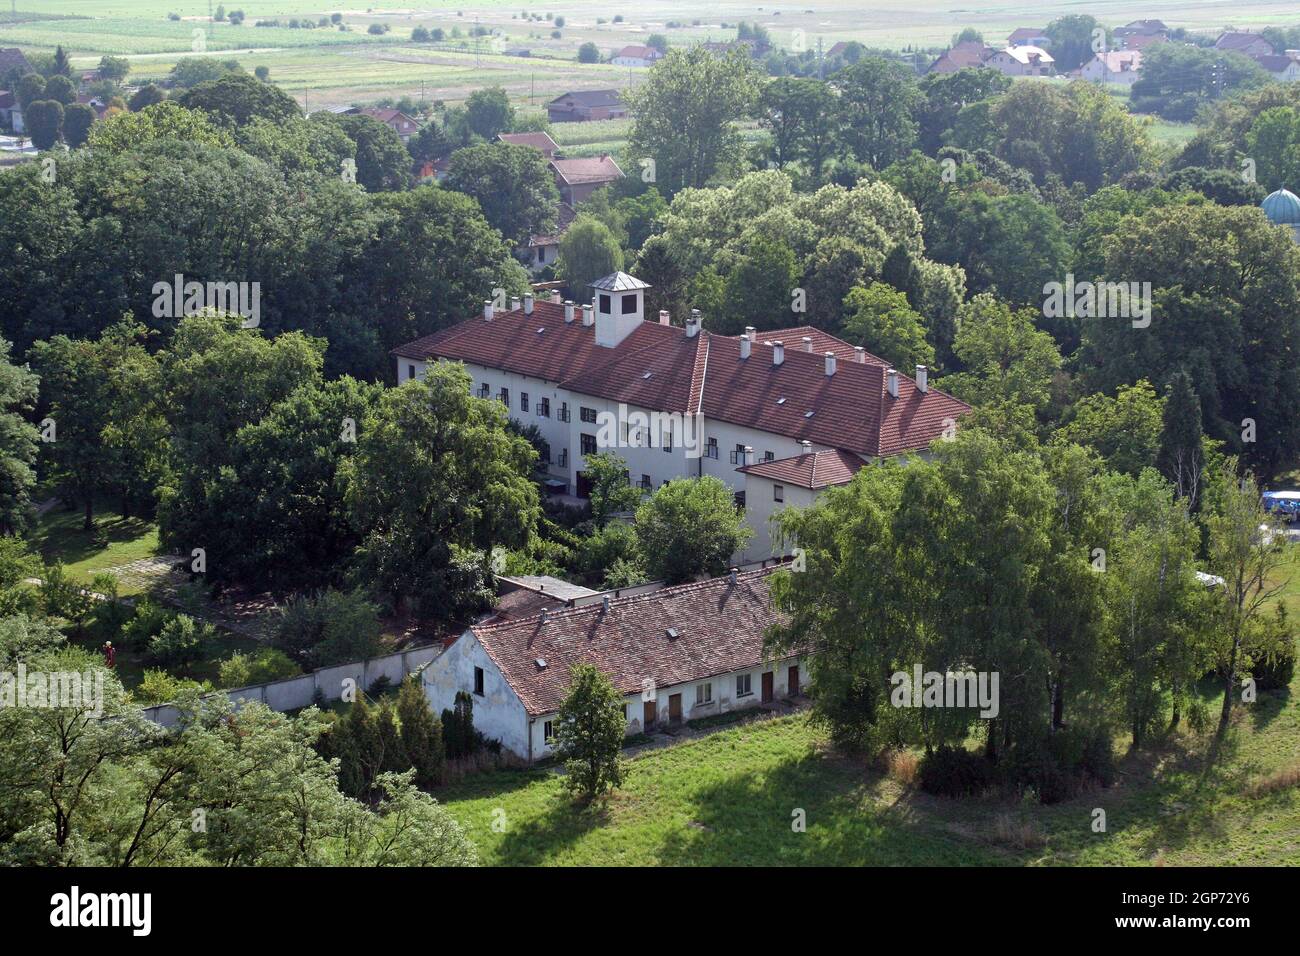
181 642
145 624
330 627
259 667
955 772
159 687
1277 669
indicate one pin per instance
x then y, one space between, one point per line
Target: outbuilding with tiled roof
676 654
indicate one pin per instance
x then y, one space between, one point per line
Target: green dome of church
1282 208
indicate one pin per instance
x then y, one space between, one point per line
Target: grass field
58 536
730 799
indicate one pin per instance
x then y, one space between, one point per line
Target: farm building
677 654
584 105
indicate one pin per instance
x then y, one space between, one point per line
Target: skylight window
647 374
807 414
780 401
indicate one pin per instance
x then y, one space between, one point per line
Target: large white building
680 402
676 654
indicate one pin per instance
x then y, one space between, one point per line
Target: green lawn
58 536
729 799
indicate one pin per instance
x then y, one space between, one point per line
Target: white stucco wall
724 699
498 711
760 506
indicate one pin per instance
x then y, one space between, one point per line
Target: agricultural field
329 66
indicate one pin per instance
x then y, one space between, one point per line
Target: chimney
859 355
891 380
665 318
751 333
807 343
528 303
745 346
778 353
555 296
922 379
830 363
514 303
805 447
749 454
604 604
568 310
693 324
731 576
587 317
487 309
542 618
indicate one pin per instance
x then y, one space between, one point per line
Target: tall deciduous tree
18 441
686 115
588 251
689 527
512 184
437 481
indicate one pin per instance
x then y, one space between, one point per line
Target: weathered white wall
724 700
498 712
294 693
760 506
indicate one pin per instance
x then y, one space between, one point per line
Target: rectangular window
703 694
668 438
410 371
541 253
484 390
564 412
646 483
625 711
548 730
544 408
778 492
587 415
769 456
478 681
629 304
743 688
544 453
738 455
711 449
564 458
523 401
588 444
504 396
604 303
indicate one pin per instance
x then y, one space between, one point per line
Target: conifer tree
421 734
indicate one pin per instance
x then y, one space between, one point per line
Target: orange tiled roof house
777 416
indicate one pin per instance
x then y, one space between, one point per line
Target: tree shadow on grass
61 537
542 837
751 821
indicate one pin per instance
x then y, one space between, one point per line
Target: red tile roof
719 628
564 216
819 469
1239 40
539 141
592 169
822 342
639 52
705 373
